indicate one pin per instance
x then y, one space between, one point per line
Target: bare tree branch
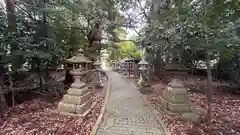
143 11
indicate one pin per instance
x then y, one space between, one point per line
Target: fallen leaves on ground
225 111
36 117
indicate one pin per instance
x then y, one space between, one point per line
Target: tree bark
158 63
209 90
11 17
12 90
2 106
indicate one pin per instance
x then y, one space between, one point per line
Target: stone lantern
97 78
114 65
78 100
78 61
175 97
97 64
144 78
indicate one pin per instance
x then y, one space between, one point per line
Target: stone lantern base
98 85
143 81
175 98
77 101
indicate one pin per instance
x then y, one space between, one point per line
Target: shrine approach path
126 113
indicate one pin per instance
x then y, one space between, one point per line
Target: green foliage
194 30
123 50
49 32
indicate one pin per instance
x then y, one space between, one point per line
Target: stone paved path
126 113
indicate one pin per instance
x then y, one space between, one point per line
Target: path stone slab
126 112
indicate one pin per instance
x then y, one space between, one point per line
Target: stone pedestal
175 98
143 81
78 100
175 70
97 76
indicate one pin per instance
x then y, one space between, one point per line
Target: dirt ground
225 110
36 117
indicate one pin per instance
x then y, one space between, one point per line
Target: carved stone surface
143 81
97 79
192 116
176 69
175 98
80 109
78 59
64 107
77 92
78 100
79 85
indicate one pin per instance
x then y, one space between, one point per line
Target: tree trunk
194 66
11 17
209 90
73 34
2 98
2 105
12 90
10 6
41 79
158 64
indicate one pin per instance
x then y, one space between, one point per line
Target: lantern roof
143 62
122 61
78 59
97 63
80 50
